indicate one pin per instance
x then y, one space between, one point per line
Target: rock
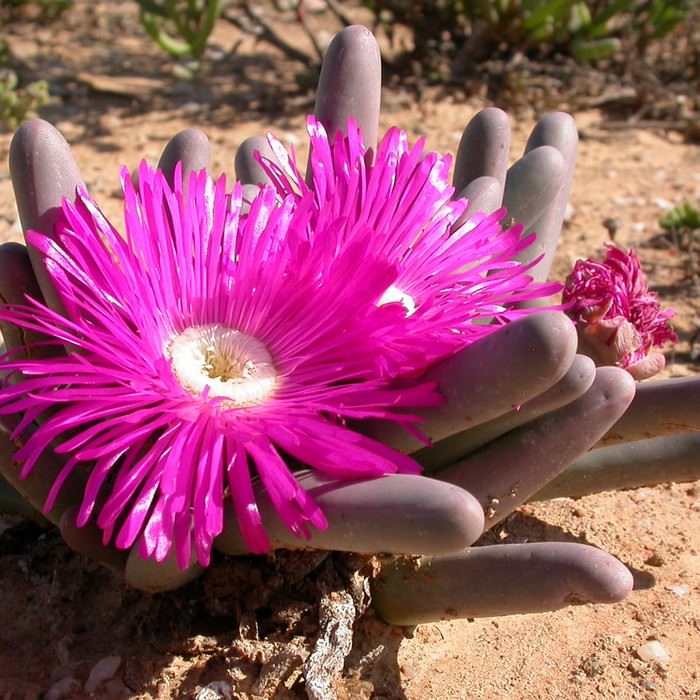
654 559
190 109
217 690
662 203
654 652
62 689
102 671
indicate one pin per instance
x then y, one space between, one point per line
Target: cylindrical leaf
662 407
191 148
396 513
507 472
573 384
483 149
498 580
490 377
350 83
43 173
627 466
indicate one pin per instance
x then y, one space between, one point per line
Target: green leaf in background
682 216
180 27
594 49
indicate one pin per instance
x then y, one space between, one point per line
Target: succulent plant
524 415
181 28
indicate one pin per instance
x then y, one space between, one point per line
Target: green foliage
180 27
19 103
684 217
46 10
584 29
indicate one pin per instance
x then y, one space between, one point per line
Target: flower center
233 365
394 294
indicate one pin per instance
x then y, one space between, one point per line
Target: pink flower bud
619 320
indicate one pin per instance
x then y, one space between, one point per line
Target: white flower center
394 294
233 365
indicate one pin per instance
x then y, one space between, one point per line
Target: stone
102 671
62 689
654 652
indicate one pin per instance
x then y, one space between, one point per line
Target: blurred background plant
18 103
468 29
20 99
473 30
181 28
637 60
41 10
681 226
633 56
682 217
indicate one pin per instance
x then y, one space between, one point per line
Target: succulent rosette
620 321
222 340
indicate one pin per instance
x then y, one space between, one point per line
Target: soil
70 626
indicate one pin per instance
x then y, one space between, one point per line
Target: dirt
62 615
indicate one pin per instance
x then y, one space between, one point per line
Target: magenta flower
206 344
453 278
217 343
619 319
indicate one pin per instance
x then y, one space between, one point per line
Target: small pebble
216 690
189 109
102 671
638 227
408 672
62 689
654 559
680 590
215 53
654 651
637 668
662 203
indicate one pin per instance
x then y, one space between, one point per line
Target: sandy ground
61 615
